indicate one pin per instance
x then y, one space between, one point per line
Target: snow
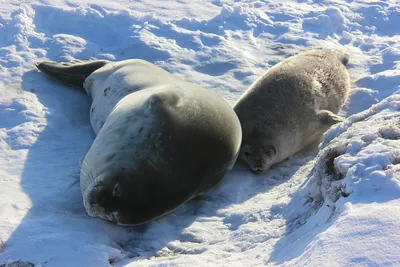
338 205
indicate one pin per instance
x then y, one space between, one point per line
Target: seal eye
269 151
247 154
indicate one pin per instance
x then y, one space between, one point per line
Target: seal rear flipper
73 73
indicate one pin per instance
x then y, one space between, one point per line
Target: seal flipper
73 73
342 57
328 118
345 59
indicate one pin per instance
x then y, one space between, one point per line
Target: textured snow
338 205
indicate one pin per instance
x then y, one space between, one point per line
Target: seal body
291 106
160 140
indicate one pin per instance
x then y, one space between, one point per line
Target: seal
160 141
291 106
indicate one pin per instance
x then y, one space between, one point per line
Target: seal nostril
98 199
257 170
117 190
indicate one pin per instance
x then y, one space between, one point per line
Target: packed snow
333 205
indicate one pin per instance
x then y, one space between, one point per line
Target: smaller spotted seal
291 106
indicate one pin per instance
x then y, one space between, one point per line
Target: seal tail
71 73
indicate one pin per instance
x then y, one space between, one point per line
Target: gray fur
291 106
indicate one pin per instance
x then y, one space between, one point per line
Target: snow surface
339 206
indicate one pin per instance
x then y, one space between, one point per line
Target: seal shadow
50 178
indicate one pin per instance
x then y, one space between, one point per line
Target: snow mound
350 196
360 156
378 17
331 21
240 16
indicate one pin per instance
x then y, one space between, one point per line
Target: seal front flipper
328 118
73 73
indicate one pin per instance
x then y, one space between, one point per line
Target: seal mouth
96 210
259 171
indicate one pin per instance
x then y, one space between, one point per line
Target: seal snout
111 198
98 199
102 203
257 170
106 196
101 195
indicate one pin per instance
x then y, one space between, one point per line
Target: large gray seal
291 106
160 140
